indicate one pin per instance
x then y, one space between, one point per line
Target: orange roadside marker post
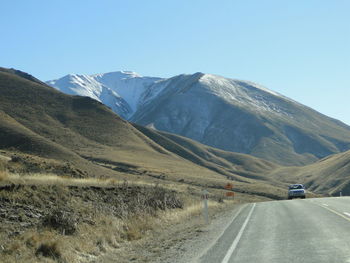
229 186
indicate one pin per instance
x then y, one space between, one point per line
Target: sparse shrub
62 221
49 249
220 199
101 244
130 201
160 198
16 159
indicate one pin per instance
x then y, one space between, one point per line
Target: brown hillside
330 175
41 121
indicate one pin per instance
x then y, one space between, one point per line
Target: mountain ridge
232 115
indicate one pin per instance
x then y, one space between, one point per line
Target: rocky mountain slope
228 114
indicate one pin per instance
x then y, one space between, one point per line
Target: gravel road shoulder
195 239
180 243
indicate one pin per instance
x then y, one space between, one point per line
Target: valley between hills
78 182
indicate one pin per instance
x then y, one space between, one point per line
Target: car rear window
296 186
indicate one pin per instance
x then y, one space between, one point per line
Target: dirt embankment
65 223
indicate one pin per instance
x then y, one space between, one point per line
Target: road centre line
238 237
334 212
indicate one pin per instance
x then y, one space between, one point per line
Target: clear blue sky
300 48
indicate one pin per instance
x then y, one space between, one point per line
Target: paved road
310 230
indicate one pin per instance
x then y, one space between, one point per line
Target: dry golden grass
3 171
33 246
4 159
110 233
180 215
52 179
3 176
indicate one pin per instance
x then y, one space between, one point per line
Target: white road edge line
238 237
345 213
223 232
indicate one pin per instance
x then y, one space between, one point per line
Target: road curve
303 231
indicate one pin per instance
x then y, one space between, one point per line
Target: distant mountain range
228 114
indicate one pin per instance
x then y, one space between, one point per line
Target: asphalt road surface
309 230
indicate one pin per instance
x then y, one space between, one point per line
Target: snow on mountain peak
245 93
118 90
211 78
131 73
127 90
123 74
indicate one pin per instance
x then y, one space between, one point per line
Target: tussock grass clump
49 249
152 199
136 227
62 221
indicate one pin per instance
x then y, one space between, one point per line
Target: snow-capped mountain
122 91
228 114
